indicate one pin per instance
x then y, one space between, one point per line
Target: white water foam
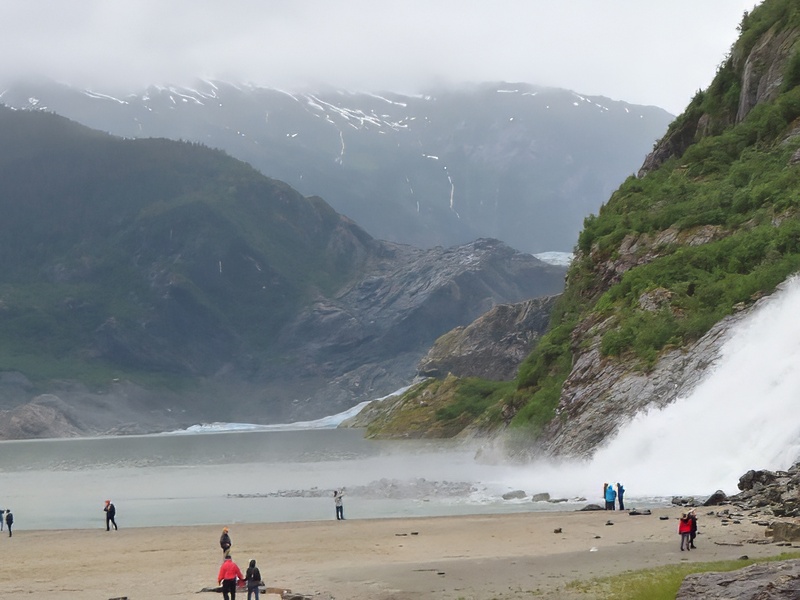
744 415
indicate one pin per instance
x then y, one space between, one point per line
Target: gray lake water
241 477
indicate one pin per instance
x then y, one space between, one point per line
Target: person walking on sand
2 518
9 520
225 543
692 527
685 529
227 577
620 492
253 578
337 501
111 513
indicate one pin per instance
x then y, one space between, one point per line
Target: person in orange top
229 572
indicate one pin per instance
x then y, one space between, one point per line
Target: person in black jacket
111 513
9 520
253 578
693 530
225 543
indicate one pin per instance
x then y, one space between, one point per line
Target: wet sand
449 558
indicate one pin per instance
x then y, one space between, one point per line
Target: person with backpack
253 578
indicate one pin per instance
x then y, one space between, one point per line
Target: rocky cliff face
492 346
367 340
762 68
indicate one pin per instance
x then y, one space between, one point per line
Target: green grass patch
662 583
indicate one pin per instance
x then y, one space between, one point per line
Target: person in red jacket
229 572
685 529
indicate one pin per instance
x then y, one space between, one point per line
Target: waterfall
744 415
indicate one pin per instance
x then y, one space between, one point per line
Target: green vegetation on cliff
711 228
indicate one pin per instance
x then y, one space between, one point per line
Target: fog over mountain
653 53
520 163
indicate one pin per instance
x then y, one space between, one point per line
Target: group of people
610 494
687 528
7 517
229 572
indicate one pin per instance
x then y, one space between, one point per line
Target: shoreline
449 557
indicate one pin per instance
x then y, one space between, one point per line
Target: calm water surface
241 477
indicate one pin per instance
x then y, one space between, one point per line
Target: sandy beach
465 557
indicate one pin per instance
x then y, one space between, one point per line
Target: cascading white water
744 415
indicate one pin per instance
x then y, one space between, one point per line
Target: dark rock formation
764 581
492 346
770 493
717 498
515 495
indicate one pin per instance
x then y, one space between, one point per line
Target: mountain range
150 283
520 163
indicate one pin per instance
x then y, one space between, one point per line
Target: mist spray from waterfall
744 415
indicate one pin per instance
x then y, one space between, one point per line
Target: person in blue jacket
620 493
611 496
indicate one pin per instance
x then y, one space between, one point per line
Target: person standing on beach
9 520
111 513
611 496
685 529
337 501
228 574
225 543
692 527
620 492
253 578
2 518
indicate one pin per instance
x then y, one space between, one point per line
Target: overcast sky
656 52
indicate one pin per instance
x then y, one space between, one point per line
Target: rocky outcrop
774 493
763 68
760 71
46 416
763 581
492 346
71 410
638 249
366 341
